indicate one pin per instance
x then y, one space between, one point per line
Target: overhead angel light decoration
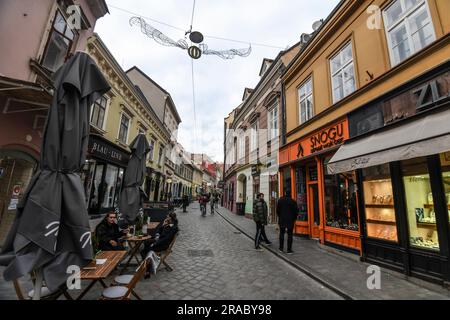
194 52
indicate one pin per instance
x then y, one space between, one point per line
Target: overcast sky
219 84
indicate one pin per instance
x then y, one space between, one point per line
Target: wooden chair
45 293
124 292
164 254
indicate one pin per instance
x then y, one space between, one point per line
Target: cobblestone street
211 260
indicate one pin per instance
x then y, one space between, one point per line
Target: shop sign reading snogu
327 138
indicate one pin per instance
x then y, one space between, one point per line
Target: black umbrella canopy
130 197
51 230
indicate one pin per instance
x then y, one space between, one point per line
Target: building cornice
123 85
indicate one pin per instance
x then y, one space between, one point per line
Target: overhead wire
206 36
193 88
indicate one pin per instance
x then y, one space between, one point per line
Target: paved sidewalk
338 270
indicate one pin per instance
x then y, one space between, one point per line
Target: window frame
308 95
96 103
160 155
254 136
340 70
404 20
271 120
50 34
120 128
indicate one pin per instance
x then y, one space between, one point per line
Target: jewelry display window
419 204
379 203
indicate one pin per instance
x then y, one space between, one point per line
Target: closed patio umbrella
131 195
51 230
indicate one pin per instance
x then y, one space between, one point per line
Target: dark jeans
290 230
184 207
260 234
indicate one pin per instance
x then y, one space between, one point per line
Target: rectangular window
341 209
419 204
445 166
161 153
273 122
254 137
342 73
123 130
379 203
300 189
59 43
408 28
152 150
241 147
98 112
305 96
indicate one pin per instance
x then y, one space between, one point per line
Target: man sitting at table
108 233
164 235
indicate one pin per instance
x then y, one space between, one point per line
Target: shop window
445 165
379 203
409 28
118 187
343 73
98 112
300 188
286 180
419 204
96 196
59 42
341 209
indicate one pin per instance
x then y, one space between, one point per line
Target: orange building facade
364 50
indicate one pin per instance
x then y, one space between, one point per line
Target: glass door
314 212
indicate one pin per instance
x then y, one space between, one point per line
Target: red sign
16 190
318 141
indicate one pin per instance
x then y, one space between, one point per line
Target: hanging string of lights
252 43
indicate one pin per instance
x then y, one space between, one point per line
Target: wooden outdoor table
135 243
101 271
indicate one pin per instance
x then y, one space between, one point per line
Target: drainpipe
283 118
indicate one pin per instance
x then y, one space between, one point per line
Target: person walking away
212 205
216 200
287 214
185 202
202 201
260 214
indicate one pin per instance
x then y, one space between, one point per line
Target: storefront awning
426 136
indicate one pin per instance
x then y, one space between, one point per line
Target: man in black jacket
108 233
287 214
164 235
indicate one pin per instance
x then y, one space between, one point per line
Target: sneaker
258 249
268 243
280 249
289 252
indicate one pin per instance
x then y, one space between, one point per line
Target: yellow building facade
116 119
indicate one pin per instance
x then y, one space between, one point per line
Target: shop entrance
313 212
313 201
273 195
16 171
